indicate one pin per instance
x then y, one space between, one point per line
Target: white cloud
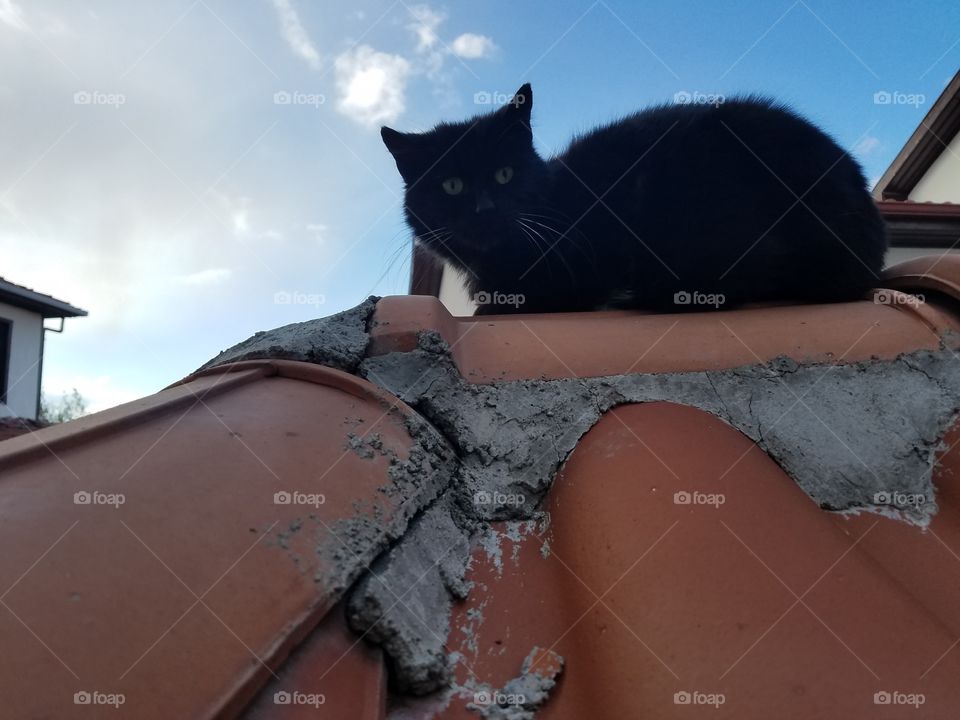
426 22
473 46
213 276
371 85
53 25
12 14
115 211
294 33
241 222
319 231
432 52
866 146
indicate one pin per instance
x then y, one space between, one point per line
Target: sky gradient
193 171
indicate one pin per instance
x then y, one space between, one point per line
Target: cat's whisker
437 236
529 236
432 234
552 247
401 252
561 219
544 252
591 258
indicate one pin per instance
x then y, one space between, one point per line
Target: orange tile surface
198 596
754 595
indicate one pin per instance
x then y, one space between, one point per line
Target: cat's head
467 183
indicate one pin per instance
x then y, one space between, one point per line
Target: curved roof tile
673 562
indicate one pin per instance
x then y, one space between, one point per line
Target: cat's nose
484 203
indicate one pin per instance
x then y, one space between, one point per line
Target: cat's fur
675 207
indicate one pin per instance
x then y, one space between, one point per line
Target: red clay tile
331 657
762 604
181 597
780 608
512 347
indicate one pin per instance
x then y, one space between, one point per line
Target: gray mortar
404 603
845 433
520 698
415 484
338 341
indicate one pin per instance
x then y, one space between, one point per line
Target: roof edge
923 147
68 434
46 305
920 224
940 273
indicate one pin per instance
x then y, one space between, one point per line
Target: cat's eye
503 175
453 186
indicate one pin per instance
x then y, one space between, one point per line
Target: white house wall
941 183
24 370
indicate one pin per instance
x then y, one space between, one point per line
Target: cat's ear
404 148
522 102
397 142
517 109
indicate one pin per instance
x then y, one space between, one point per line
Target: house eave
926 144
44 305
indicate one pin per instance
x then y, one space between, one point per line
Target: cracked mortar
854 437
521 697
338 341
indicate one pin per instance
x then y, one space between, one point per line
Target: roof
46 305
11 426
924 146
611 515
921 224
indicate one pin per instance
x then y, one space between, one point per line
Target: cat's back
739 134
658 123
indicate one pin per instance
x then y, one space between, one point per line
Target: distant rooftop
932 136
46 305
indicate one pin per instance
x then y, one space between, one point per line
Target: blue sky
153 172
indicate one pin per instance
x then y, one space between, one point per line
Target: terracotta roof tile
678 557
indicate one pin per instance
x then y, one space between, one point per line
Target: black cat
675 207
